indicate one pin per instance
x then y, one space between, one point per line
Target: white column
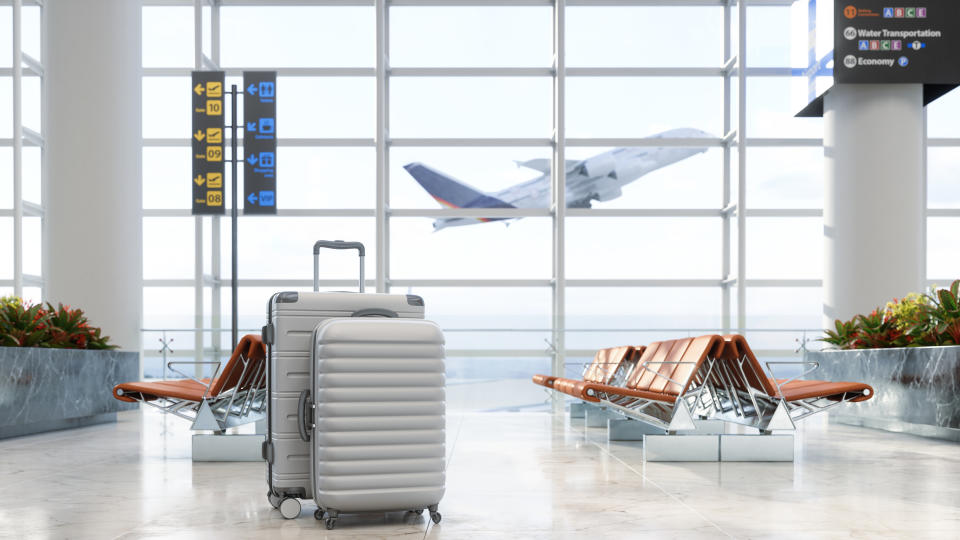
92 228
873 213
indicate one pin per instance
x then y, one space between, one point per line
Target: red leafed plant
42 325
944 312
913 321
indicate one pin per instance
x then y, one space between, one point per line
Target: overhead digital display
897 41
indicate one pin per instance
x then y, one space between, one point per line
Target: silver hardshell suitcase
375 417
291 320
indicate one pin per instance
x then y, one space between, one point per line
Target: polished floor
510 475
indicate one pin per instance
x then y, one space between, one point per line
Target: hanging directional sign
207 136
905 41
260 142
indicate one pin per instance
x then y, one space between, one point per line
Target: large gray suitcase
375 417
291 320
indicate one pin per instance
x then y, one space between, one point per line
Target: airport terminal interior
479 269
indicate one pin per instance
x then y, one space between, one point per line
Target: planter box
49 389
917 388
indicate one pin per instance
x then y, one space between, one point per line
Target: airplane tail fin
450 192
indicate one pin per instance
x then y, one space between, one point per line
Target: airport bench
232 396
607 366
676 385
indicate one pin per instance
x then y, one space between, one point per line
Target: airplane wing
543 164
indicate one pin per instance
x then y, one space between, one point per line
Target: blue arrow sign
259 142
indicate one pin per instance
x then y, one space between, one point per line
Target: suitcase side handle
302 418
335 244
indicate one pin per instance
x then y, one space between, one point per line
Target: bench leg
239 447
708 427
598 416
577 409
626 429
681 448
756 447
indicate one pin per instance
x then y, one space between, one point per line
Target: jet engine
601 165
607 189
632 169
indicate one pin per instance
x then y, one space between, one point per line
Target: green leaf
947 299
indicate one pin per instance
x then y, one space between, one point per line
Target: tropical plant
70 329
911 316
21 325
25 325
844 336
878 330
916 320
944 312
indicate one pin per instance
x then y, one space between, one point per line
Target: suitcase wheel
331 523
289 508
434 515
418 511
318 514
274 500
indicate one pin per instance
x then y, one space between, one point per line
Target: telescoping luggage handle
334 244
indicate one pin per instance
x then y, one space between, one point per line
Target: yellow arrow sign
199 179
199 135
198 89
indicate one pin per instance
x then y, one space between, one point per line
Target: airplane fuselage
598 178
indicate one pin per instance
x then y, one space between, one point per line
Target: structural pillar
92 161
873 214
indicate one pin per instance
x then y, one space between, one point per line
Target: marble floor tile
509 475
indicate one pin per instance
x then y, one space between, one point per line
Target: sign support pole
233 218
209 160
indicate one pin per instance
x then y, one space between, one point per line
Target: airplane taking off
599 178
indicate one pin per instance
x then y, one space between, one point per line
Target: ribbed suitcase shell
378 442
294 316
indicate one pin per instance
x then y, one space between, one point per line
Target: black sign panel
260 142
208 138
896 41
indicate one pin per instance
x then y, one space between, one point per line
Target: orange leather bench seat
601 370
737 347
544 380
670 362
795 390
666 369
250 348
620 391
180 389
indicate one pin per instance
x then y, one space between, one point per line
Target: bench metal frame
244 403
720 391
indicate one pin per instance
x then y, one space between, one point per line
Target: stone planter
917 388
49 389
